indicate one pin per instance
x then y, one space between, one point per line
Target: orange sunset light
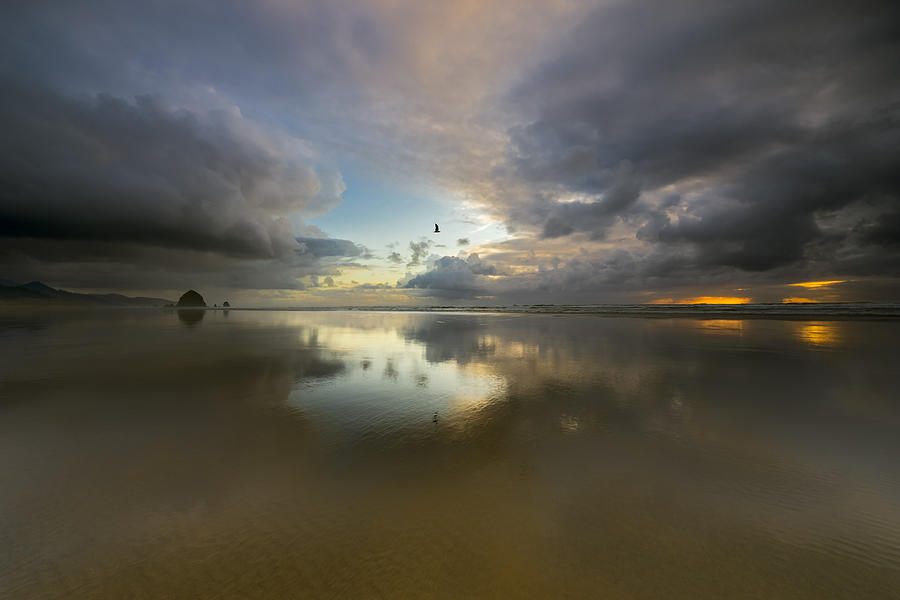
814 285
704 300
792 300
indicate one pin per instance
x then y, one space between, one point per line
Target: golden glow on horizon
793 300
814 285
704 300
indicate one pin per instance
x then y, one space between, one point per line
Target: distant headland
39 294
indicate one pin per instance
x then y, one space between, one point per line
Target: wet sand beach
272 454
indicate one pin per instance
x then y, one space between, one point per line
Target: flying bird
436 228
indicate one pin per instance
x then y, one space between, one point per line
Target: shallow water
355 454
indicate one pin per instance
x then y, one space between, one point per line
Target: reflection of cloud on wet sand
722 326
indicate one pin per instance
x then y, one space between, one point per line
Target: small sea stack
191 299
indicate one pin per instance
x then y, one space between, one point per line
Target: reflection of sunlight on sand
388 381
822 334
722 326
477 386
520 350
347 338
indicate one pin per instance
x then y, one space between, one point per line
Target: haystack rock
191 299
226 304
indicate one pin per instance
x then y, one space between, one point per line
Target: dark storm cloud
764 116
454 277
321 247
107 169
104 192
595 217
766 216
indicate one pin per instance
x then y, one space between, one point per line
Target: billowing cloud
106 169
596 216
322 247
454 277
97 178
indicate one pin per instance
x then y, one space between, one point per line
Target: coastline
854 310
817 311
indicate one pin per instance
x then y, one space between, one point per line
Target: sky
279 153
